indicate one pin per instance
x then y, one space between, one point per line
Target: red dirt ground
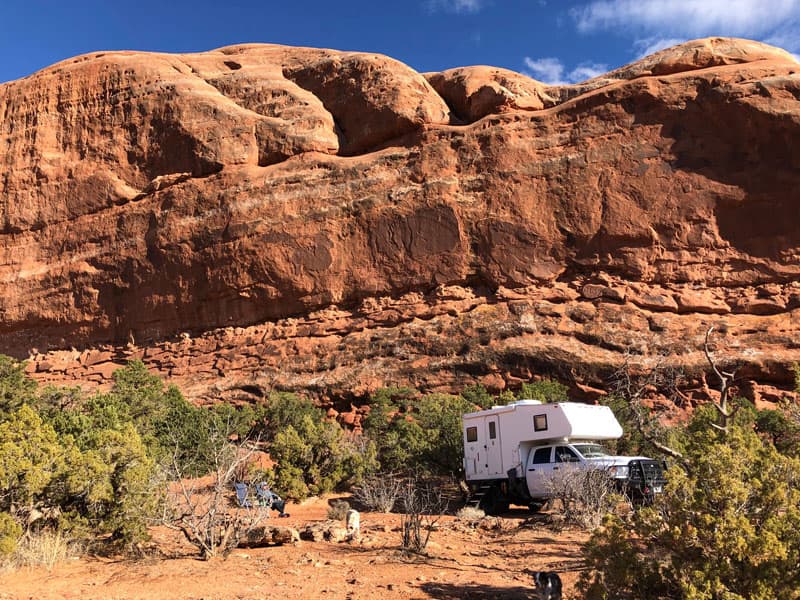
482 562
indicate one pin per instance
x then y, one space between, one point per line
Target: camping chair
241 494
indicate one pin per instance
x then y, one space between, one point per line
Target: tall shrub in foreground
728 526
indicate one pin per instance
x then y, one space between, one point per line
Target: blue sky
551 40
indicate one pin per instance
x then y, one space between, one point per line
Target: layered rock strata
261 216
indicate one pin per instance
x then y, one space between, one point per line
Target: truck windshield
591 450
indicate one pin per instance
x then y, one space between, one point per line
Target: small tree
30 458
439 418
16 388
796 370
422 434
315 456
285 409
477 395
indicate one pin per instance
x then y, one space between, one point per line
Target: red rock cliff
262 216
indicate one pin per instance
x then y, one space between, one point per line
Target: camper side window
539 422
492 430
472 434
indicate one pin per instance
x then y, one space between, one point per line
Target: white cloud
456 6
650 45
586 70
658 24
553 72
547 70
689 18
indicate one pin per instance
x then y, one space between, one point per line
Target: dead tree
423 504
204 513
725 411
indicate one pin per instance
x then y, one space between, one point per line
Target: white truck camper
511 451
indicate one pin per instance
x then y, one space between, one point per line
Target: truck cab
637 476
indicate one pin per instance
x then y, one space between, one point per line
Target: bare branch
725 379
708 355
634 389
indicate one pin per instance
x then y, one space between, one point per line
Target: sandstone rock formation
261 216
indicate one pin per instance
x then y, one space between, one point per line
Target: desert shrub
398 438
111 482
796 370
315 456
10 532
727 526
170 427
190 434
164 419
379 492
284 409
31 457
203 513
478 396
16 388
423 504
422 434
401 444
141 392
585 495
780 430
545 390
243 422
337 511
96 471
439 417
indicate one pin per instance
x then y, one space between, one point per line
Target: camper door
494 455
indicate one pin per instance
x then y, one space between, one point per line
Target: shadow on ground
449 591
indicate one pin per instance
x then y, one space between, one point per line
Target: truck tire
494 502
536 505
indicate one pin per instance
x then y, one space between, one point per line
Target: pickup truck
512 452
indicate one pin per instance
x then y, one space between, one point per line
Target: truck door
494 456
540 466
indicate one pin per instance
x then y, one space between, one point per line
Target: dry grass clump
45 548
470 514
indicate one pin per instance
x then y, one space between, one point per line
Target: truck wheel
536 506
494 502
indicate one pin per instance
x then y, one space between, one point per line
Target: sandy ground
482 562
